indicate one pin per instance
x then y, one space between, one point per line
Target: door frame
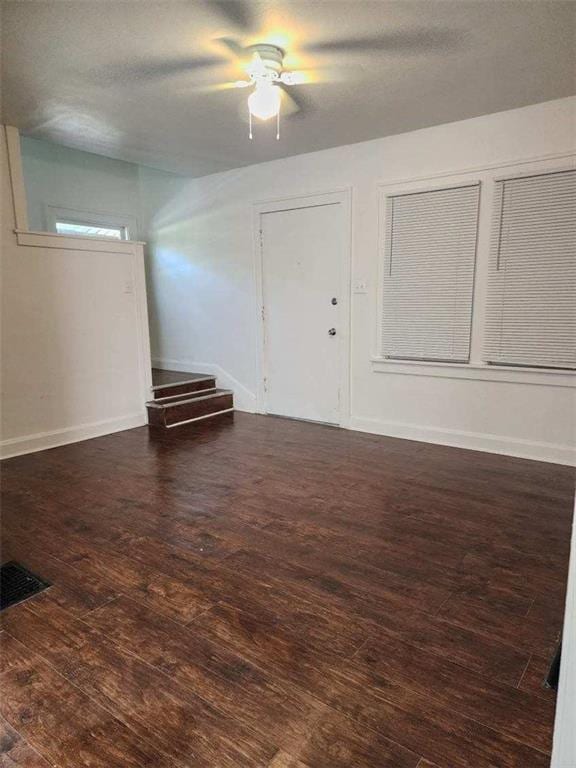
342 196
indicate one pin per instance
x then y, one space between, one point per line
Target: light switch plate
361 287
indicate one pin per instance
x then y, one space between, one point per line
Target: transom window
91 230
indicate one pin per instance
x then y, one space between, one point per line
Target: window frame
497 228
54 214
476 368
384 238
122 231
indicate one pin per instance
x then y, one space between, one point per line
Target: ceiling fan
268 80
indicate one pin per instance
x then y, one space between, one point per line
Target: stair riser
172 414
182 389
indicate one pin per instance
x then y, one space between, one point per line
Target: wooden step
185 395
195 384
189 408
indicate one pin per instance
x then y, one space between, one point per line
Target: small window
90 230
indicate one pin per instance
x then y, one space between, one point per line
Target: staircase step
189 408
184 387
185 396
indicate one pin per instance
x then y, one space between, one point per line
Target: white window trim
75 242
477 372
476 368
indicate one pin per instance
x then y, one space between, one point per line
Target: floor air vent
17 584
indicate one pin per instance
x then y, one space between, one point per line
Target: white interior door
302 261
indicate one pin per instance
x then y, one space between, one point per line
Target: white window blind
430 256
531 310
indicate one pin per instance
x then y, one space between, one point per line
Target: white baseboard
564 749
17 446
475 441
244 400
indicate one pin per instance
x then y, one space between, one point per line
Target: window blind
531 309
430 255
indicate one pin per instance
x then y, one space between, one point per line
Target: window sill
476 372
74 243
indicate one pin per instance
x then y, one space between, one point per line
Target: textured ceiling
133 80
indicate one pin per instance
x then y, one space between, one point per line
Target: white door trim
338 196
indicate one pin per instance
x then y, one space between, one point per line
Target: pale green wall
68 178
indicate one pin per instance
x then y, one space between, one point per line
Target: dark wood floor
264 592
161 376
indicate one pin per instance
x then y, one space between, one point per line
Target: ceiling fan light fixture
265 100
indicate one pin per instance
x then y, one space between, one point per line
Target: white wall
75 357
67 178
206 313
564 750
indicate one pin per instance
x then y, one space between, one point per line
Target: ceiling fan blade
214 87
421 40
294 103
318 75
152 70
234 47
237 12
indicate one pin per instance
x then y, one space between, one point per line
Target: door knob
332 332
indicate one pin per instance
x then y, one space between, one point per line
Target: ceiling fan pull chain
250 123
278 126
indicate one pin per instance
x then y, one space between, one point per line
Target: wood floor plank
423 726
312 553
115 572
290 716
62 724
222 677
155 707
337 742
408 624
15 752
207 585
71 589
516 601
263 638
318 586
284 760
511 567
533 678
516 714
523 632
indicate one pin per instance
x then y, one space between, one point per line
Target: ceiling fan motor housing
271 55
